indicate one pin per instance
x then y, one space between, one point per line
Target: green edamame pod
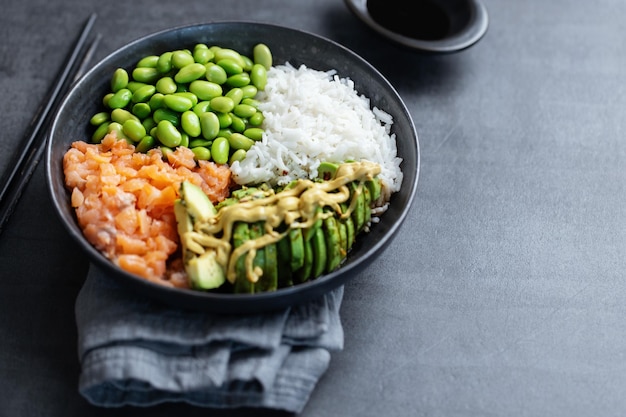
134 130
166 85
120 99
167 134
190 72
190 122
201 153
215 73
143 94
239 141
119 80
222 104
209 125
99 118
220 150
145 144
261 54
149 61
205 90
258 76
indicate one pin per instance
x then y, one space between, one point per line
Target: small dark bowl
71 123
431 26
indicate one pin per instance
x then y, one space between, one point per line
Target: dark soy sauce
419 19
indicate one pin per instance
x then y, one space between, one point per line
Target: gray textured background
503 293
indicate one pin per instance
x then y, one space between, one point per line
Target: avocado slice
327 171
350 232
269 280
304 273
296 242
367 197
343 237
333 244
241 234
196 202
358 213
256 231
284 262
204 271
318 244
375 188
307 234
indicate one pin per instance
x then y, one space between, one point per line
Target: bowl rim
212 301
472 33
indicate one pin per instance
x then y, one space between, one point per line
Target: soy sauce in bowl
420 20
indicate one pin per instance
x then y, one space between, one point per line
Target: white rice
311 117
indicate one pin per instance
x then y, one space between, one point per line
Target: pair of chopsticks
24 162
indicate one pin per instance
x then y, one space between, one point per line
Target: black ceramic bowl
431 26
72 123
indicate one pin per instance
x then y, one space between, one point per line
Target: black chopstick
22 166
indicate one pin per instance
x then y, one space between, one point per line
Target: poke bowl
291 58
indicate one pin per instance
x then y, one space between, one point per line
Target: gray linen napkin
134 351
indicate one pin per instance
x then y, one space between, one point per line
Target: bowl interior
297 47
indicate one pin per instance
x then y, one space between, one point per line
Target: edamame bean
205 90
261 54
135 85
225 120
227 53
215 73
256 119
156 101
166 151
235 94
116 129
254 133
149 61
143 94
119 80
239 80
239 141
148 123
145 144
222 104
201 153
252 102
166 114
134 130
177 103
141 110
194 143
244 110
167 134
121 115
120 99
99 118
249 91
258 76
209 125
248 63
230 66
164 64
190 72
202 54
225 133
100 132
106 98
238 124
238 155
184 140
166 85
146 75
220 150
189 95
201 107
190 122
181 58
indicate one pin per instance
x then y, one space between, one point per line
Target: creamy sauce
298 206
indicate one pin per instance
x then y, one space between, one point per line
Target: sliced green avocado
367 197
358 213
374 187
284 262
304 273
343 237
269 280
333 244
350 232
318 244
204 271
256 231
183 221
307 234
241 234
327 170
196 202
296 242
